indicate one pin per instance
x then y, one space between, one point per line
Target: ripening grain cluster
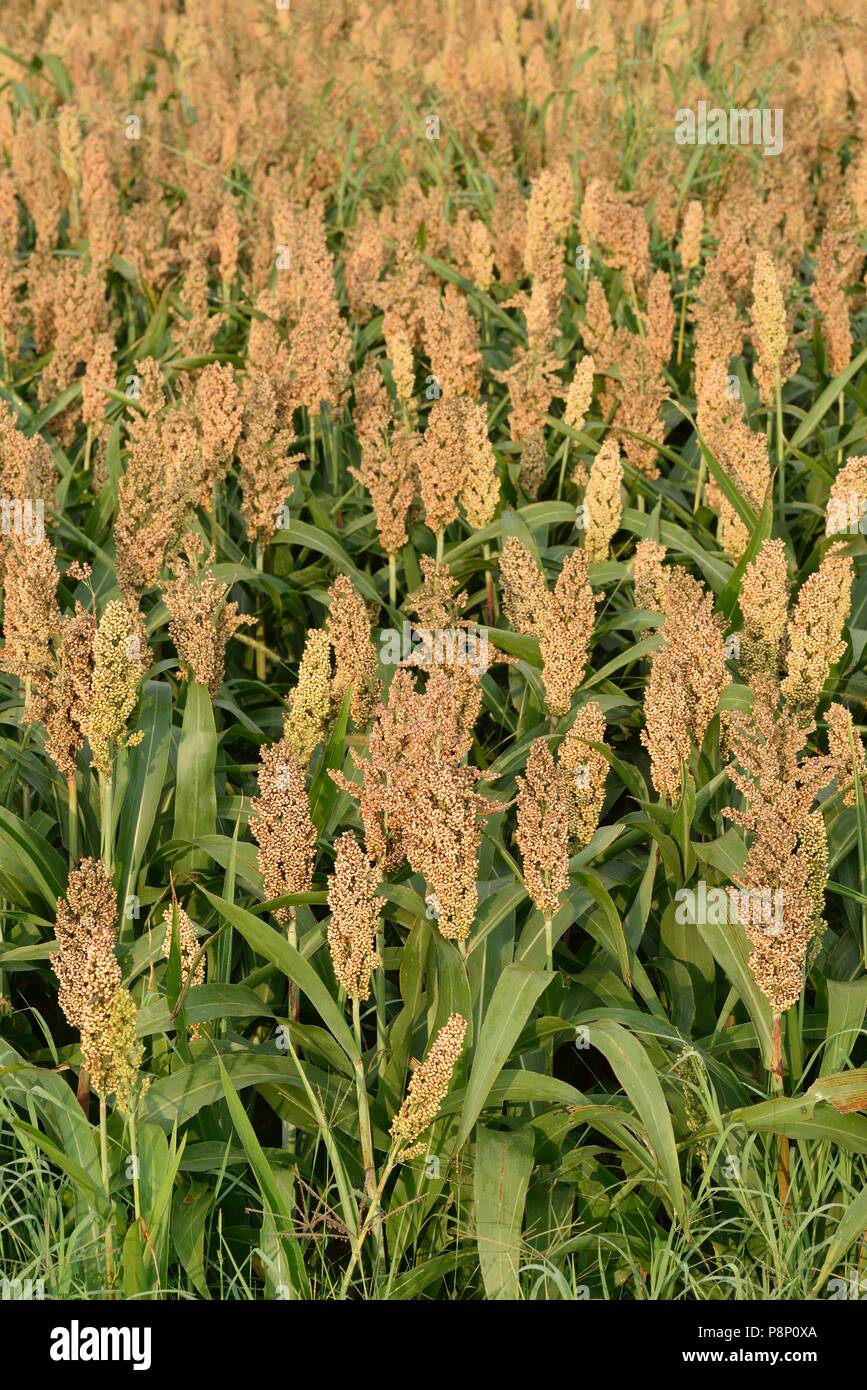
433 487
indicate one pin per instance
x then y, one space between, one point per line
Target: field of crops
433 847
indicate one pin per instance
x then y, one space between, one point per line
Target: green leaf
147 763
501 1176
847 1004
634 1070
849 1232
730 948
195 792
826 400
178 1097
190 1210
202 1004
517 991
26 854
323 792
272 1193
269 944
609 926
315 539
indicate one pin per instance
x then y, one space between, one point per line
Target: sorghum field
433 849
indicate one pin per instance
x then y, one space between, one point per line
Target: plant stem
392 580
364 1130
72 794
441 546
683 303
106 795
106 1182
633 300
841 416
366 1224
261 660
776 1078
780 441
490 591
25 734
294 1012
379 994
793 1038
133 1153
699 484
564 454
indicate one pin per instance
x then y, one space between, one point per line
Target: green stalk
294 1011
564 454
392 580
549 965
776 1080
780 441
683 303
364 1128
490 590
793 1039
379 995
261 660
72 794
25 734
633 300
106 1182
106 797
699 484
133 1151
367 1223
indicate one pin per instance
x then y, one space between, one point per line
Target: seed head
545 810
117 671
814 634
649 576
580 393
769 320
201 622
842 738
764 604
91 995
281 826
31 616
310 703
687 676
583 771
847 500
355 664
602 501
428 1088
355 909
690 235
62 702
